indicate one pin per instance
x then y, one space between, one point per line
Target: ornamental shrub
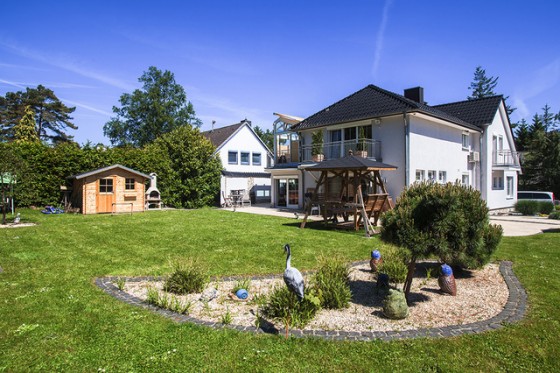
332 282
187 277
284 305
527 207
554 215
448 221
546 208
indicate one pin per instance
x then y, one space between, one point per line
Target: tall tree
160 107
483 86
24 130
52 117
266 136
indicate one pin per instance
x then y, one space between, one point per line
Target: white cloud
380 37
66 63
87 107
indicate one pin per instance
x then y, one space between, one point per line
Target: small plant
120 283
361 146
332 283
317 143
244 283
187 277
153 296
226 317
394 265
283 305
554 215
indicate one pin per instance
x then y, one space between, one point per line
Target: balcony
340 149
505 158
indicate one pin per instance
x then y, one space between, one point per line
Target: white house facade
244 158
469 141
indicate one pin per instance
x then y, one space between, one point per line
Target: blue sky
248 59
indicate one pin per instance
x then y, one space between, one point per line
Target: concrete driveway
512 225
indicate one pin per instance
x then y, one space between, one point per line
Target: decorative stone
376 261
395 306
446 280
209 294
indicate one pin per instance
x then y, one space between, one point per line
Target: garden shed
109 189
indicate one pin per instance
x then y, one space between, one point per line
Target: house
109 189
469 141
245 158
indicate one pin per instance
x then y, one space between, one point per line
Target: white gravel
481 295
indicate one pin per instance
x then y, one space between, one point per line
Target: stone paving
514 310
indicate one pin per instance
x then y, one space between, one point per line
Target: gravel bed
481 294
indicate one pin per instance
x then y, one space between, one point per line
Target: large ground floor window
287 192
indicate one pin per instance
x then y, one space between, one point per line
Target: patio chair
245 199
227 200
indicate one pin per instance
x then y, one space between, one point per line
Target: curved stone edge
514 310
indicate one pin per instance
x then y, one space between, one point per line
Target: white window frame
245 163
420 175
259 159
465 140
442 177
432 174
468 182
510 187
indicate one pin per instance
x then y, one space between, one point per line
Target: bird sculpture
376 261
446 280
293 277
17 219
294 282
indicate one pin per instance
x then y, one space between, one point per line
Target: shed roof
99 170
372 102
350 162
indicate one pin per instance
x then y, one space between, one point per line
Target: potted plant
361 147
317 146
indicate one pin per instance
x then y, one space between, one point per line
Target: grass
53 318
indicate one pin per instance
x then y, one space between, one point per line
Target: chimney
415 94
213 122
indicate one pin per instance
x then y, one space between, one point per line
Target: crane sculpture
294 282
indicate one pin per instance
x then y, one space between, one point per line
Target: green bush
332 283
554 215
546 208
395 266
527 207
284 305
187 277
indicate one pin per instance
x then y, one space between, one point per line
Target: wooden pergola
339 189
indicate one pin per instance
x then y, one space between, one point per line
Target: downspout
406 122
482 179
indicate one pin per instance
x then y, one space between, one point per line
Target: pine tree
24 130
483 86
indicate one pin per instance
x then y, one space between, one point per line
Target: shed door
105 194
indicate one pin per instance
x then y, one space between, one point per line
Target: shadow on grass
551 230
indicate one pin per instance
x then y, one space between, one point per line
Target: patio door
287 193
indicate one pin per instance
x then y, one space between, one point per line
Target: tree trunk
409 277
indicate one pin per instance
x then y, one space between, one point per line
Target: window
105 185
129 184
419 175
432 176
465 180
465 140
244 157
442 177
509 183
256 159
498 180
232 157
350 133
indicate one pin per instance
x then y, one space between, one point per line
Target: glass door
287 193
293 193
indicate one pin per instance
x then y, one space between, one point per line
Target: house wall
121 197
438 147
391 133
246 141
497 198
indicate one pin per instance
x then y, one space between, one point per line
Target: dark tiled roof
371 102
219 135
479 111
246 174
351 162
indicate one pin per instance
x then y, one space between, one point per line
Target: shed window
105 185
129 184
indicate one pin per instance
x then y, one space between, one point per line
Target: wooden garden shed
111 189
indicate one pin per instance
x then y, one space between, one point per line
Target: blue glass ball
375 254
242 294
446 270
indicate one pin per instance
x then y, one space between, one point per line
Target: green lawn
53 318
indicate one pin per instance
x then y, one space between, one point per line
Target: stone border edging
514 310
